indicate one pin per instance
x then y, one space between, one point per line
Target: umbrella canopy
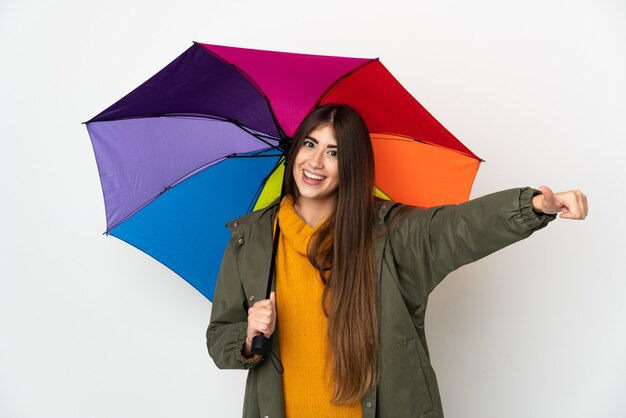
201 142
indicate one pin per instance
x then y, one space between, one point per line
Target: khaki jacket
413 254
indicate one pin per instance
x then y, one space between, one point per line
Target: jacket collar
258 215
384 207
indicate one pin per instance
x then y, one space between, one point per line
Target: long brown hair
344 243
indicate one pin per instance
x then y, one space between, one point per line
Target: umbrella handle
260 345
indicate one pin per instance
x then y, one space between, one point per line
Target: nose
317 160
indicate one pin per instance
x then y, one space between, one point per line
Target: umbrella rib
135 211
188 175
160 115
258 135
211 163
254 84
340 79
165 189
262 184
400 137
254 134
192 115
233 121
250 156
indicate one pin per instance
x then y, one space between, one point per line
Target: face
316 168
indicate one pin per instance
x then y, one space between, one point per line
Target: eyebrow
310 138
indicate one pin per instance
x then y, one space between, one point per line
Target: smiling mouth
313 176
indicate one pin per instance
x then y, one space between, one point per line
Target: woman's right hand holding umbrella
261 319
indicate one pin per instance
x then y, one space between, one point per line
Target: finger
273 301
546 192
584 206
265 303
258 328
572 207
550 202
578 206
266 329
579 209
583 209
260 324
570 215
260 313
572 211
263 306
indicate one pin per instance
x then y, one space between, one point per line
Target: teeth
313 176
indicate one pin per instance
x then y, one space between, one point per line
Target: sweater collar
293 228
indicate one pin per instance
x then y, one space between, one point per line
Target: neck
314 211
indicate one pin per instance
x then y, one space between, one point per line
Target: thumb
547 192
549 204
273 298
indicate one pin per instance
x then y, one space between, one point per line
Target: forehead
324 135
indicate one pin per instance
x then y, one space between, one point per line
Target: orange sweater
302 324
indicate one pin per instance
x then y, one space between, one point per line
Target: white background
91 327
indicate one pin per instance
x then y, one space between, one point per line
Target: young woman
352 280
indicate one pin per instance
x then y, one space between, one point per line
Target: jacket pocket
403 391
421 370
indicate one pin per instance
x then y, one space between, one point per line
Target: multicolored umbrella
200 143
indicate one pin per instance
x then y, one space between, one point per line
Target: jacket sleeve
227 330
429 244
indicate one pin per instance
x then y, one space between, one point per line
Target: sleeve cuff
531 218
247 363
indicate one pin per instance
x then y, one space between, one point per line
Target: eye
308 144
332 153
